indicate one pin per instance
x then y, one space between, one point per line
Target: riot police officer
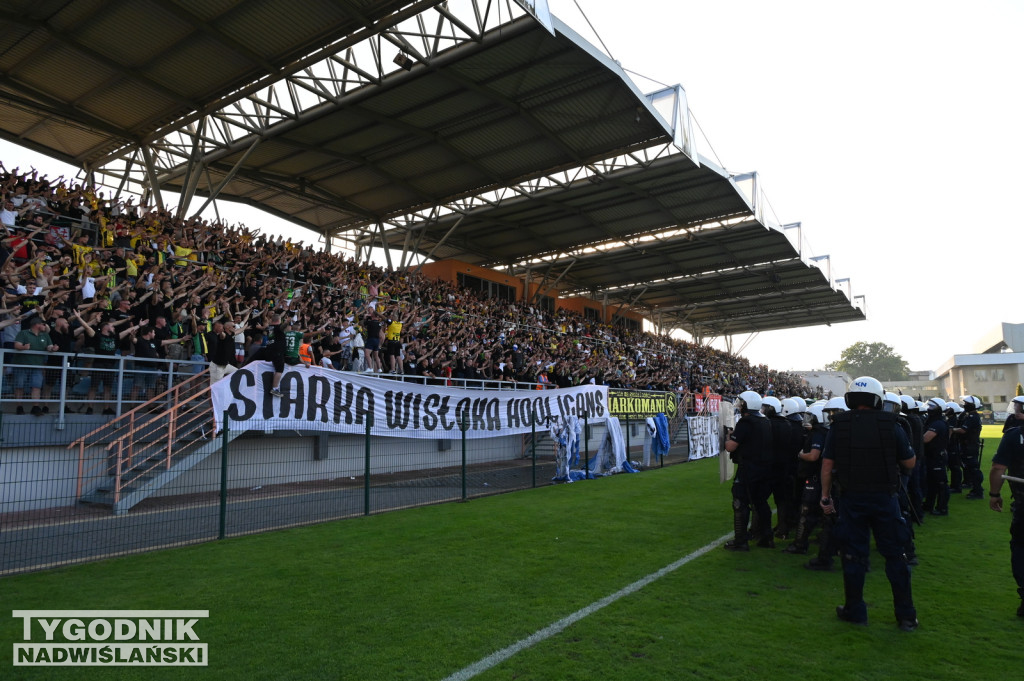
750 447
794 410
936 439
969 431
1009 460
1015 414
954 416
865 451
784 449
827 547
892 404
915 481
809 474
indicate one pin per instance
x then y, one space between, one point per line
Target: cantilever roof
519 103
672 238
82 78
79 78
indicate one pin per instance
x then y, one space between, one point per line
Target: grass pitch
422 593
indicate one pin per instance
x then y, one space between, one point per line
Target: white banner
703 431
321 399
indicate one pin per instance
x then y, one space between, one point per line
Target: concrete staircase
147 474
148 447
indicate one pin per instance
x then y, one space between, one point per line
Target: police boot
755 526
740 518
799 545
782 530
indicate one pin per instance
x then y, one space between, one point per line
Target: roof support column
192 169
90 177
405 250
384 245
153 184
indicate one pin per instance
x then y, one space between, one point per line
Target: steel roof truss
264 106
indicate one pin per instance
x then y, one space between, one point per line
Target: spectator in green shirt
36 337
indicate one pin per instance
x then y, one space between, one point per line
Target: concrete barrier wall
38 477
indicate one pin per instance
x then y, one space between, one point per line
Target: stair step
153 472
97 498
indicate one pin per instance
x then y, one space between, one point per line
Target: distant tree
877 360
1020 390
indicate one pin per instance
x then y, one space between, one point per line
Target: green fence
57 502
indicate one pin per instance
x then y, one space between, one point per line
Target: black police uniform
915 481
793 480
953 454
936 500
970 452
1011 455
752 484
809 474
866 448
784 449
907 508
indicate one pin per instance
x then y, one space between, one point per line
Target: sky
890 130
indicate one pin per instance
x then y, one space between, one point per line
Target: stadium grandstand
536 211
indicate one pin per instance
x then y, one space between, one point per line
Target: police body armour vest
783 447
757 448
806 469
866 452
1015 469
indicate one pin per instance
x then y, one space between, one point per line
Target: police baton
1013 479
910 505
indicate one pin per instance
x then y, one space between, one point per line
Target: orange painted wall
448 271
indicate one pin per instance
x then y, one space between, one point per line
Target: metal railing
148 437
72 380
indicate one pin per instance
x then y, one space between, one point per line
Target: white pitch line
547 632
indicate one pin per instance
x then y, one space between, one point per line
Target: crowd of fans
102 278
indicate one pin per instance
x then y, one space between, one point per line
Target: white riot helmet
801 402
771 403
892 403
909 404
1017 404
751 400
865 391
921 407
970 402
817 411
956 408
790 407
936 404
836 404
